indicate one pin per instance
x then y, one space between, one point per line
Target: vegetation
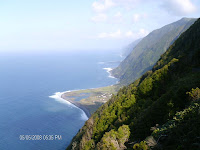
145 54
114 140
160 110
183 129
140 146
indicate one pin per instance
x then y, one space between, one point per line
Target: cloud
136 35
100 17
129 34
136 17
116 34
176 7
179 7
103 5
128 4
100 6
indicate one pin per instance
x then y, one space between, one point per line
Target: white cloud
179 7
100 6
116 34
136 17
101 17
128 4
129 34
136 35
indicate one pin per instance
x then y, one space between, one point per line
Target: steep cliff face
153 111
148 51
129 48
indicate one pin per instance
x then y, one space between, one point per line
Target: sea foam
58 98
108 71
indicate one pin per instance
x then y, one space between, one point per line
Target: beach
77 104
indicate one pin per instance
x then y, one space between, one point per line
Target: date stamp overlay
40 137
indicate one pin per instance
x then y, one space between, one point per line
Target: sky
40 25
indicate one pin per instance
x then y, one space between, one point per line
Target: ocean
30 115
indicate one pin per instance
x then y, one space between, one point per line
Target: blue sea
30 118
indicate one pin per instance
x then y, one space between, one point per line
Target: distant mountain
159 111
128 49
148 51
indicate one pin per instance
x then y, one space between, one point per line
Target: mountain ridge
148 50
152 111
128 49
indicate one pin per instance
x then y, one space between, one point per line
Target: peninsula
89 100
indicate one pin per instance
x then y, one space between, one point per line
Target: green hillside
160 110
149 50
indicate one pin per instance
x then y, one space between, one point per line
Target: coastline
108 70
77 104
89 100
88 104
